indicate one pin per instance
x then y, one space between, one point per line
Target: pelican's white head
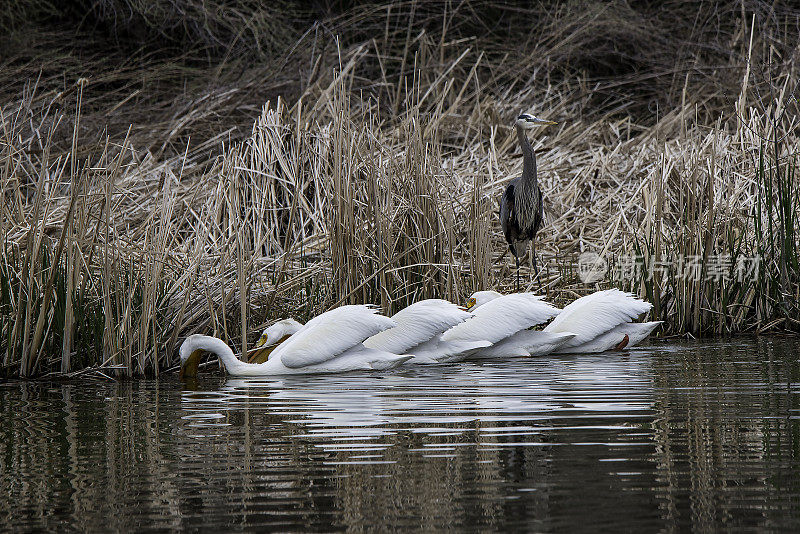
187 347
190 356
278 332
480 298
528 122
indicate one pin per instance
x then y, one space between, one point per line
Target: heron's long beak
189 367
546 123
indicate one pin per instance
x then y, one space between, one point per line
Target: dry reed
377 181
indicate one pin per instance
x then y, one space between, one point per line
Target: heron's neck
528 157
221 350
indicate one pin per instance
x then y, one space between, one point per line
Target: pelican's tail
389 361
549 342
457 351
528 343
637 332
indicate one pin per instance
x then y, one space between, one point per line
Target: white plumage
417 324
329 343
436 350
435 331
601 321
419 332
527 343
497 317
594 323
330 334
615 337
637 332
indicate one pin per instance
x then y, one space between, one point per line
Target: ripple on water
677 436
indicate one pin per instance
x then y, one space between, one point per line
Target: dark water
702 436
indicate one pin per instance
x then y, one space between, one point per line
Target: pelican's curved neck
288 329
220 349
528 156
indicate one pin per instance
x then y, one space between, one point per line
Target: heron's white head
278 332
528 122
480 298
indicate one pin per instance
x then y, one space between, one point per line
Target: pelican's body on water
419 332
527 343
602 321
328 343
503 320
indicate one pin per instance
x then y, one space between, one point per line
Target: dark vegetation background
216 62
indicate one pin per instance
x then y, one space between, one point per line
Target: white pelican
503 320
328 343
271 338
527 343
602 321
508 317
419 332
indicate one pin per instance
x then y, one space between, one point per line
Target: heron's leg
517 258
536 267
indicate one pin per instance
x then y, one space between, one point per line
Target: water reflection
679 436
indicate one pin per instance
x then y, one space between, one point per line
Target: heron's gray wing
507 212
528 211
539 217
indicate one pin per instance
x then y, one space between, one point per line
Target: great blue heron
521 204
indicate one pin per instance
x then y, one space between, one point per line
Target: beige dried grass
370 187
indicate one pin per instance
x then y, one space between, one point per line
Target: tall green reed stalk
775 238
73 293
745 274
